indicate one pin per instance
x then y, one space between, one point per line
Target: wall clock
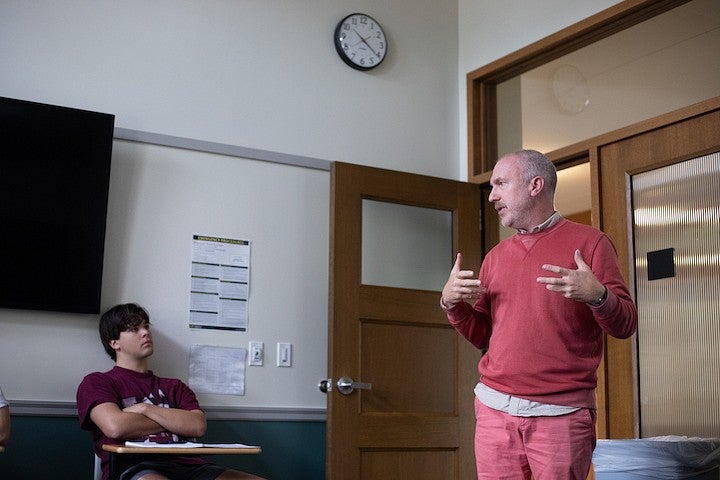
360 41
570 89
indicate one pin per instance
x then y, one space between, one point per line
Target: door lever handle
325 385
347 385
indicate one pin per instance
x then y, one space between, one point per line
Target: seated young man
129 402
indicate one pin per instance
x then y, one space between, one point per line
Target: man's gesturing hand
580 284
461 285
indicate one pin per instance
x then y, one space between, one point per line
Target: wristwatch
601 300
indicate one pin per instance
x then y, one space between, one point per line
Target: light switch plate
257 354
284 354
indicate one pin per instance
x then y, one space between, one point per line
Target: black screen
54 179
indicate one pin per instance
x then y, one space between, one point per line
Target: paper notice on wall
219 283
218 370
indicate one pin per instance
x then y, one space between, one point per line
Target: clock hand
366 43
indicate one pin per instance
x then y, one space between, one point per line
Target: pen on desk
163 439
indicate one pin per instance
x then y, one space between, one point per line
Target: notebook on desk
147 444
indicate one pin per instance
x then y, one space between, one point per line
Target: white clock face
360 41
570 89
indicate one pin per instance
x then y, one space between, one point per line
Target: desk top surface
184 450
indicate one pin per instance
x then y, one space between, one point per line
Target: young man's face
135 342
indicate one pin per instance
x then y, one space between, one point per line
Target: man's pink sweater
540 345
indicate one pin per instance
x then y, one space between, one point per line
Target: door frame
482 82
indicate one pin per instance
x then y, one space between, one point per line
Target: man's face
135 342
510 194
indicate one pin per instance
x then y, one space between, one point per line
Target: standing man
129 402
542 301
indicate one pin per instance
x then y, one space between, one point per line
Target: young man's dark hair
120 318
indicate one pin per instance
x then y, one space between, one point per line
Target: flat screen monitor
54 182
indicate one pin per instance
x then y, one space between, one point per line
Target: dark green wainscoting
56 448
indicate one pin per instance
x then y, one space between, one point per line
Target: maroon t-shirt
124 388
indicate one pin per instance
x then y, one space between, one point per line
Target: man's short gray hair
535 164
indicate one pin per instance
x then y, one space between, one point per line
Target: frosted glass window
677 213
405 246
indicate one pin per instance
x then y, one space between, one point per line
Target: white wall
159 198
246 72
252 73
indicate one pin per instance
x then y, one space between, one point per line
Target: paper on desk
187 445
163 445
228 445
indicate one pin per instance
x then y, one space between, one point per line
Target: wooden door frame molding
481 83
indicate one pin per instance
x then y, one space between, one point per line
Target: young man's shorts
174 470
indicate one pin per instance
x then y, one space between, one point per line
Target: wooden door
417 422
667 144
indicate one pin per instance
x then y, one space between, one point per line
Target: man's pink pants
548 448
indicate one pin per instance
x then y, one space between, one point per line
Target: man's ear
114 344
537 185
